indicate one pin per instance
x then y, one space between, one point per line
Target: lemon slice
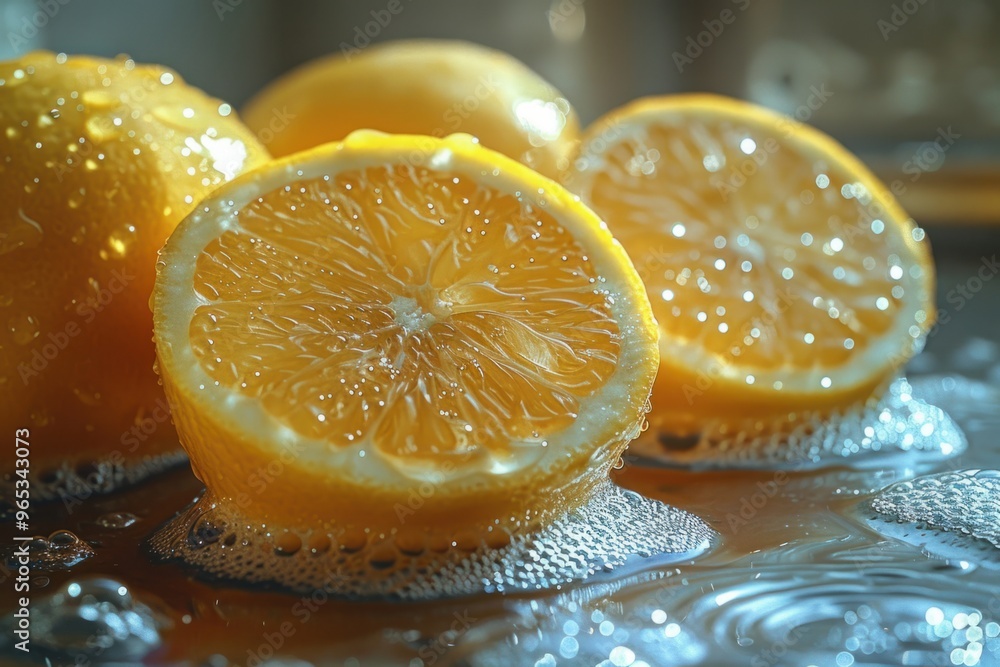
784 276
369 334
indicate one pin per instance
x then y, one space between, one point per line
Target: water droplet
89 397
97 620
99 100
100 129
287 544
352 540
23 329
59 551
121 240
203 533
117 520
178 117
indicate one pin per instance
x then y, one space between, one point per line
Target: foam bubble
952 515
61 550
900 425
613 531
73 483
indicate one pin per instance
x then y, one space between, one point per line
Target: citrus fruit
99 160
370 335
431 87
784 277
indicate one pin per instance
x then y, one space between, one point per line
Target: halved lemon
368 335
784 276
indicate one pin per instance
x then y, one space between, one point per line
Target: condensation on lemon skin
614 529
397 323
99 159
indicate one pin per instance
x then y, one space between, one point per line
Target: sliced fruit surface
432 87
784 276
99 160
368 322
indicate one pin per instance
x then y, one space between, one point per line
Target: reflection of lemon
783 275
99 159
373 323
419 87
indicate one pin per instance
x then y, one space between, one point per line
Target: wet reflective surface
807 569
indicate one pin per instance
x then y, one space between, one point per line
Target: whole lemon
99 160
430 87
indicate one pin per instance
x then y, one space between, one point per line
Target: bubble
63 480
96 620
615 531
23 329
899 425
62 550
953 515
117 520
99 129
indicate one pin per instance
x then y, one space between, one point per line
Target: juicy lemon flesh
353 332
101 160
376 307
773 265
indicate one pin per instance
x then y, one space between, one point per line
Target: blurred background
913 86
